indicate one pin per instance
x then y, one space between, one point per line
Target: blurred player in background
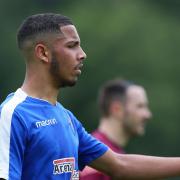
124 113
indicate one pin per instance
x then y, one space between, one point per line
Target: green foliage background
135 39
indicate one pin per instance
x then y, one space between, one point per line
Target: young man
124 114
39 138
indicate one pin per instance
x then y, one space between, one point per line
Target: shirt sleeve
89 147
13 133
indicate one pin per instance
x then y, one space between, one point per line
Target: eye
73 44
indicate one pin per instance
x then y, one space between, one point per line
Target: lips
78 68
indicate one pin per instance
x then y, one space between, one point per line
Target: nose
148 114
82 55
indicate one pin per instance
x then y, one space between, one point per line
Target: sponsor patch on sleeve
66 165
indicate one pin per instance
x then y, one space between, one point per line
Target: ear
116 108
41 52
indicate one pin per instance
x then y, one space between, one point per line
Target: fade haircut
40 24
112 90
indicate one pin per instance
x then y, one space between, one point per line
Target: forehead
137 94
69 32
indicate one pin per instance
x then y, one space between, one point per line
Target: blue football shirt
42 141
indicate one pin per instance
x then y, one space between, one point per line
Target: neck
39 86
113 129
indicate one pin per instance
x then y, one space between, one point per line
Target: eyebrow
75 41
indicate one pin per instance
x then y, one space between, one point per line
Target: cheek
134 118
68 54
65 64
136 112
132 113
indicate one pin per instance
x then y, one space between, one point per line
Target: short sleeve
13 133
89 147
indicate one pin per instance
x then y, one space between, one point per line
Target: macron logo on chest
48 122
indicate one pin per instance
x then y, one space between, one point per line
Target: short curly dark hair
37 24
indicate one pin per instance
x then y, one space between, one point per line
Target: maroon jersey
92 174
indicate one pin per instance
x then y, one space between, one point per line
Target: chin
69 83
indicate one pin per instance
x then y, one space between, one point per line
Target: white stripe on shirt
5 130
